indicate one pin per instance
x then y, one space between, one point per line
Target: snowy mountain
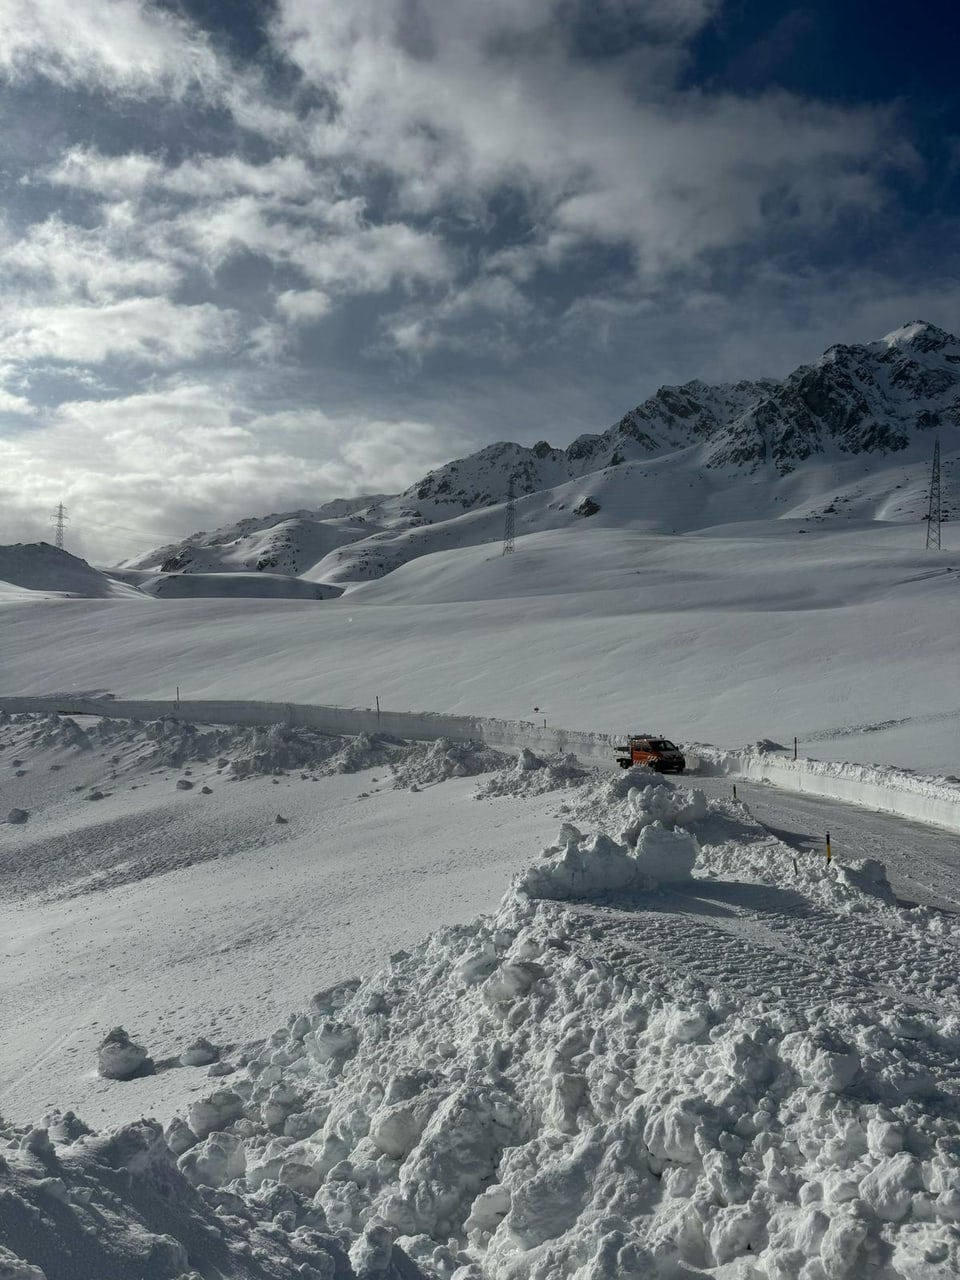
847 437
286 543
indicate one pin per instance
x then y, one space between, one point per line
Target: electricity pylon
60 518
510 518
933 512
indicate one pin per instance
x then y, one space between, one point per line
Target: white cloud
188 456
327 242
153 331
284 177
12 403
86 169
455 100
304 306
467 318
373 258
63 262
123 45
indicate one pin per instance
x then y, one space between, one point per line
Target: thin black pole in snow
794 748
378 708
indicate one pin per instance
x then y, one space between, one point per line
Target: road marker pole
829 853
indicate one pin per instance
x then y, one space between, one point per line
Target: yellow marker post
829 854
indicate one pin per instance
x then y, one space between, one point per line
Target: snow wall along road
871 786
908 795
591 748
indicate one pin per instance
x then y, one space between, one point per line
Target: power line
933 512
60 517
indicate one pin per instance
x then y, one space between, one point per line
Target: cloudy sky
256 254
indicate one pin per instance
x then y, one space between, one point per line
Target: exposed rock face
586 508
858 399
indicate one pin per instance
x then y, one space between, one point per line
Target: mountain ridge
880 402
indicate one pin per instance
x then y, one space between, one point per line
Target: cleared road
923 862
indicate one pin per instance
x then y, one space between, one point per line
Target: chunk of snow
118 1056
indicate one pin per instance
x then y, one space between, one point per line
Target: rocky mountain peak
920 335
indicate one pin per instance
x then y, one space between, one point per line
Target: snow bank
536 1095
509 735
578 868
424 764
909 795
232 586
745 1073
256 751
924 799
533 775
76 1204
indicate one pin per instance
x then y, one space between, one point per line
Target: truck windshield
661 744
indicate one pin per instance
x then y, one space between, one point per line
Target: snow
908 794
674 1043
335 944
47 571
839 637
118 1057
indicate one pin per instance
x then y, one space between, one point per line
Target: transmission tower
60 518
510 518
933 513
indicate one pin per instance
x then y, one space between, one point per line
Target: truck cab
653 751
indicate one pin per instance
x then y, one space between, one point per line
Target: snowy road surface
923 862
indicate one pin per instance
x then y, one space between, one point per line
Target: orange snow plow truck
656 753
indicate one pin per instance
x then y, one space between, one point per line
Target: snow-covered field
474 1015
842 639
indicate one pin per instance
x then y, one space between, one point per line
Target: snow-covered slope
761 631
38 567
847 437
285 544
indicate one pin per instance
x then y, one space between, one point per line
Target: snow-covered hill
37 567
849 436
286 543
